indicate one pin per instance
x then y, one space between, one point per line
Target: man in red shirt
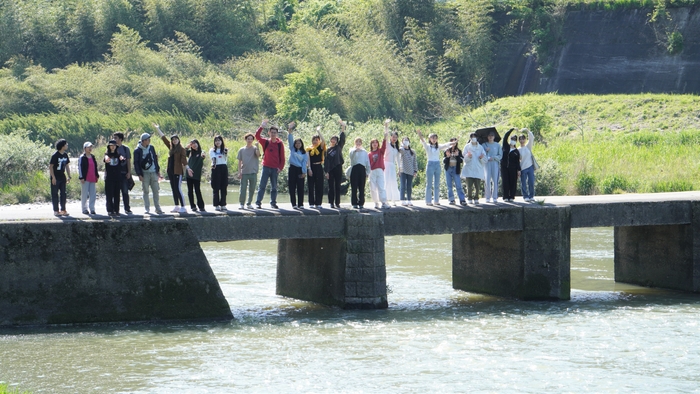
273 163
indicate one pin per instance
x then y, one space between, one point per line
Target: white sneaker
386 206
410 204
241 206
249 206
218 208
429 204
176 209
470 201
223 208
376 206
182 210
404 203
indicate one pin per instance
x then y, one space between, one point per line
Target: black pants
193 186
176 187
510 181
219 183
60 186
296 185
125 192
334 178
316 185
358 179
113 188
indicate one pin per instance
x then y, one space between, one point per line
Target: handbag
534 163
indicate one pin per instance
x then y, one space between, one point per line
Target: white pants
376 186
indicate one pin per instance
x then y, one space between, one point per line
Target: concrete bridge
152 267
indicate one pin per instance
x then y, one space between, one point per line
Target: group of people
318 163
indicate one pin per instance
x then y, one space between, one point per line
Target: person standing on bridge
317 155
298 168
58 168
453 166
359 172
333 165
219 172
527 165
113 177
273 163
473 171
432 169
376 166
195 159
391 164
510 166
494 153
88 175
409 169
177 167
148 170
127 181
248 165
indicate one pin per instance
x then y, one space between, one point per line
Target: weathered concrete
83 272
348 272
533 263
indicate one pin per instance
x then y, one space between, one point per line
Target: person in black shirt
58 168
510 166
113 177
333 166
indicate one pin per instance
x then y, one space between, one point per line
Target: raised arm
530 139
506 138
162 135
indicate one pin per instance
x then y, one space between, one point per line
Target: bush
671 186
548 178
616 184
21 158
585 184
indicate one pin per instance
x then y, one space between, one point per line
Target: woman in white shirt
391 160
432 169
527 168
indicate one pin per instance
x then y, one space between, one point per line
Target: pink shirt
376 157
91 174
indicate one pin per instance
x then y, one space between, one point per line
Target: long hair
197 152
396 144
294 145
174 149
372 141
409 146
221 149
436 146
110 153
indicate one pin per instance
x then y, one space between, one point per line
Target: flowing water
609 338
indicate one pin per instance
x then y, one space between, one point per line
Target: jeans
527 182
491 185
248 184
150 179
60 186
406 186
87 190
432 179
271 174
451 176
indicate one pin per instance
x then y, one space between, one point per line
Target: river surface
609 338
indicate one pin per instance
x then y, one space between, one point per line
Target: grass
5 389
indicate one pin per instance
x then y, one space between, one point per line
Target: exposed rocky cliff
606 52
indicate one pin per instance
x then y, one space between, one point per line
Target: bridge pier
348 272
532 263
665 256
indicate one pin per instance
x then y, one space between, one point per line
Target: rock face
606 52
84 272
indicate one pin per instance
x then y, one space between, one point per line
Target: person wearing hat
177 165
88 174
147 168
113 177
273 163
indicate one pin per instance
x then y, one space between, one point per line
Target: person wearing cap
88 175
177 165
113 177
125 170
273 163
147 168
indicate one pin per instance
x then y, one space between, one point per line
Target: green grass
5 389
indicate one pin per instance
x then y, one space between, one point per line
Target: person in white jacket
527 168
360 170
473 169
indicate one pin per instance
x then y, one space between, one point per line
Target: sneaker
294 207
376 206
318 206
462 203
404 203
386 206
361 207
274 206
93 213
116 214
476 202
147 212
223 208
452 203
437 203
56 213
430 204
159 212
470 201
301 206
182 210
85 212
193 209
241 207
249 206
258 205
175 210
63 213
128 211
410 204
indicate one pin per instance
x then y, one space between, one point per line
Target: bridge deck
286 223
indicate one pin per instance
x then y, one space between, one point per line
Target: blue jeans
527 182
271 174
432 179
450 177
406 186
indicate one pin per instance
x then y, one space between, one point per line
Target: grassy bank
586 144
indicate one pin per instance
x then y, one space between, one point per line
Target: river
609 338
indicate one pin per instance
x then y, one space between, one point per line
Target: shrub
671 186
615 184
585 184
21 158
548 178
